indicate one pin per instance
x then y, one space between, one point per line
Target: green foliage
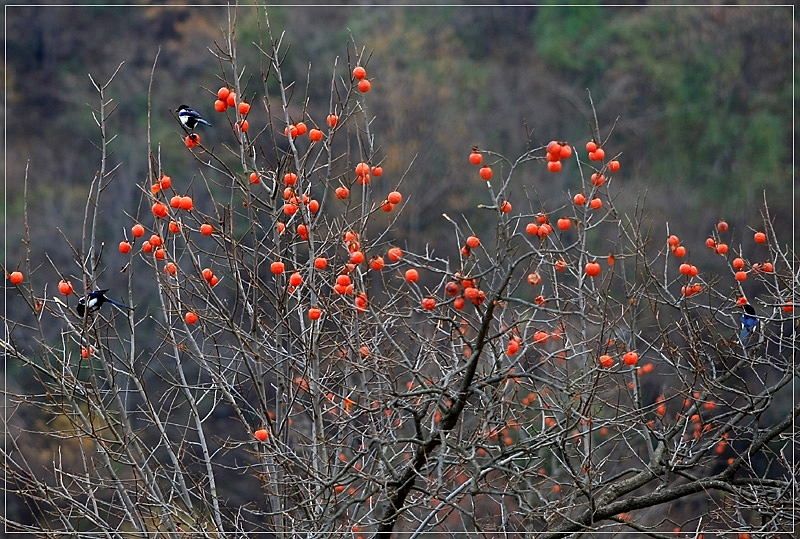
572 38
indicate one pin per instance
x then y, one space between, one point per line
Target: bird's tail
118 304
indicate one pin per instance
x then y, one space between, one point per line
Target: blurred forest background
700 99
703 96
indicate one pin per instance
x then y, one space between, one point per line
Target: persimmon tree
289 366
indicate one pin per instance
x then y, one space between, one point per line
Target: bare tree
300 371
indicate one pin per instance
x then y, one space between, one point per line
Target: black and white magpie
94 300
749 324
190 118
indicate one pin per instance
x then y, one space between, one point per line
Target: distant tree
304 372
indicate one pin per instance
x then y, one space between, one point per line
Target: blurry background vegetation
701 101
703 96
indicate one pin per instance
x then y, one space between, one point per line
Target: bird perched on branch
95 300
190 118
749 324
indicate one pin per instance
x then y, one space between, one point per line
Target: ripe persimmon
359 72
244 108
137 230
554 166
223 93
598 155
206 229
220 105
544 230
376 263
534 278
261 435
332 120
364 86
395 197
342 192
124 247
160 209
630 358
394 254
475 156
315 135
190 317
592 269
277 267
579 199
760 237
428 303
613 165
513 347
65 287
452 288
295 279
192 140
412 275
314 313
486 172
356 257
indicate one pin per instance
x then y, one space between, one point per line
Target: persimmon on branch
292 367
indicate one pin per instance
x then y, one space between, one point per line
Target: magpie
749 324
94 300
190 118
